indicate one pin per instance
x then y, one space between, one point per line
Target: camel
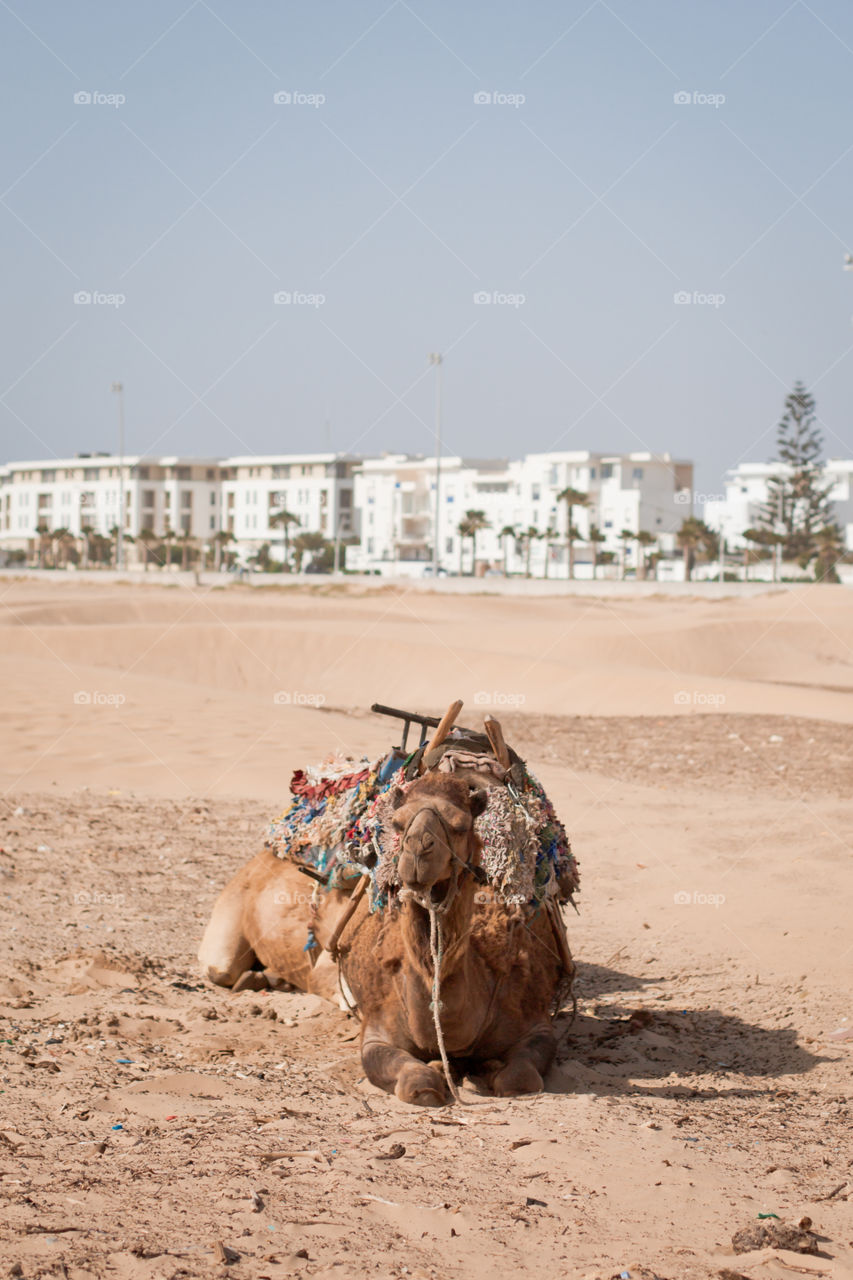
500 968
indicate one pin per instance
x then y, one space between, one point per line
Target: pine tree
798 502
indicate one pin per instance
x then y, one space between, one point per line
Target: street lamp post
119 390
436 359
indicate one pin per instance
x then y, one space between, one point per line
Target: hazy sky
581 211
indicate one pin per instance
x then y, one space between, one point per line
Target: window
182 473
608 524
211 473
346 499
370 546
185 524
536 493
448 545
213 498
607 471
167 500
48 477
592 473
213 522
186 499
143 472
148 497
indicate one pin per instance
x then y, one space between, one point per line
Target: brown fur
499 975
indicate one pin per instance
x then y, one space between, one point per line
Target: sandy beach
699 753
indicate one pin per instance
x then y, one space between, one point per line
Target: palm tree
625 536
43 532
147 537
86 534
549 535
285 519
187 541
304 542
643 539
220 540
507 532
596 537
572 498
693 535
475 521
58 546
169 536
529 536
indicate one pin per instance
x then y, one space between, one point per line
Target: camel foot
515 1078
251 980
422 1085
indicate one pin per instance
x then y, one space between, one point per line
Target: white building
747 493
316 488
626 492
84 493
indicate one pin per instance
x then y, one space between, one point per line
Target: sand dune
700 755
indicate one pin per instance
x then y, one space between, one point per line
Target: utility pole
436 359
119 390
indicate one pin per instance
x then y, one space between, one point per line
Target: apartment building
396 496
85 493
747 494
316 488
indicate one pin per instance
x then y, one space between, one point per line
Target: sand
699 753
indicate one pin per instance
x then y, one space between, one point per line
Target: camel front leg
399 1072
523 1067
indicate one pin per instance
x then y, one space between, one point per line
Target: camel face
435 820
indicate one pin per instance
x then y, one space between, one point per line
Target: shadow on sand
624 1049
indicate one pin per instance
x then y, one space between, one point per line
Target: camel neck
456 926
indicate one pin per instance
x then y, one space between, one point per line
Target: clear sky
581 211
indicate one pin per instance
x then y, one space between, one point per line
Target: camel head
435 819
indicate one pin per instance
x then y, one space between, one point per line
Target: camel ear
479 801
398 797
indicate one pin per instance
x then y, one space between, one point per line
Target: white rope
436 946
